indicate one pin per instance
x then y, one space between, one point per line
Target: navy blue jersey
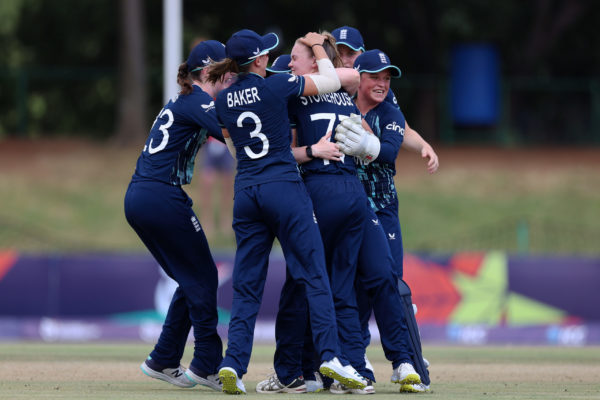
391 98
313 117
255 112
179 130
387 122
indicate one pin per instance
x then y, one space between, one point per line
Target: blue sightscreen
475 84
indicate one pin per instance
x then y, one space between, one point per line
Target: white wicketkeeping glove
354 140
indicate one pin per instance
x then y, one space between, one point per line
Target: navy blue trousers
389 221
377 290
261 213
376 285
163 218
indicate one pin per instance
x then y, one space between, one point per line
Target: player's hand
354 140
433 162
312 38
326 149
345 137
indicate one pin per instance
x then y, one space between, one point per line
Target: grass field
111 371
67 195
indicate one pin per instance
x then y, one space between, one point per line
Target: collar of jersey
254 73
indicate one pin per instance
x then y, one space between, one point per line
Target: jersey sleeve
205 115
287 85
392 124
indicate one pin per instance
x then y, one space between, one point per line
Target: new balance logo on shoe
174 376
176 373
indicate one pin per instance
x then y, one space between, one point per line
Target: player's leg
301 242
339 205
388 218
378 278
391 225
165 221
414 337
290 327
254 242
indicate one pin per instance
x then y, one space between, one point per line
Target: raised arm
327 81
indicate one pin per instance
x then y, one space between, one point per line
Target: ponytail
184 80
331 50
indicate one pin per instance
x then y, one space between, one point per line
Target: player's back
254 111
179 130
313 117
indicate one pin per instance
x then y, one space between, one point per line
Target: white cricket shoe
405 373
316 385
346 375
231 383
273 385
211 381
395 377
338 388
174 376
414 388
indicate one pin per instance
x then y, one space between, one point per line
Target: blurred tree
132 125
76 69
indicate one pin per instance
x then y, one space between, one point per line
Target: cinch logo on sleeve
395 127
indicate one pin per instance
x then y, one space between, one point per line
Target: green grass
111 370
68 196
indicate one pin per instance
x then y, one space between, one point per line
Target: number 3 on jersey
331 118
164 128
256 133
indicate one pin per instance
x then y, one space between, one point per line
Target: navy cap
246 45
204 54
350 37
373 61
281 64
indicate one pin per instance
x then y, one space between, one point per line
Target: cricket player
271 200
160 212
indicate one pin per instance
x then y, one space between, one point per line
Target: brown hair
219 69
330 49
185 78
